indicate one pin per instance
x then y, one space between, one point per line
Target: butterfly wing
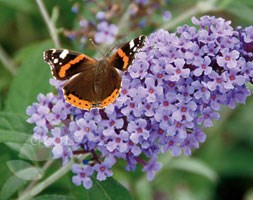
65 63
79 92
87 87
126 54
111 85
89 90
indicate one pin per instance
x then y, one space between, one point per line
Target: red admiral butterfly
91 83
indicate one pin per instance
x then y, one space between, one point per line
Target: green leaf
54 197
32 149
194 166
143 189
32 78
13 136
14 128
27 6
108 190
24 170
5 77
15 132
235 162
236 7
35 151
6 15
4 157
11 186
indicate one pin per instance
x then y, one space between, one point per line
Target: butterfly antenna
117 43
113 48
93 44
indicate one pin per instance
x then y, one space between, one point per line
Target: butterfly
92 83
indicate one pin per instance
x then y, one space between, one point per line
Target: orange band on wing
64 68
75 101
86 105
111 98
125 58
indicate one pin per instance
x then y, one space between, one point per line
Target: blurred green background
221 169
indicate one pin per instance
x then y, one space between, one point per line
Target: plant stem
50 25
7 62
200 7
43 170
44 184
124 21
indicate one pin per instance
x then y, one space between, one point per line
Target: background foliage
221 169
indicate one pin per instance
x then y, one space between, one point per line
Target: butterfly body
91 83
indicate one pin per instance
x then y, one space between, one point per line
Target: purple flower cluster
142 10
100 22
106 33
175 88
99 27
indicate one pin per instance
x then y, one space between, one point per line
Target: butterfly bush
176 86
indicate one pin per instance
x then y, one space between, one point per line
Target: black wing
126 54
65 63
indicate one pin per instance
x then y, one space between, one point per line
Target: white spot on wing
64 53
131 44
56 60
